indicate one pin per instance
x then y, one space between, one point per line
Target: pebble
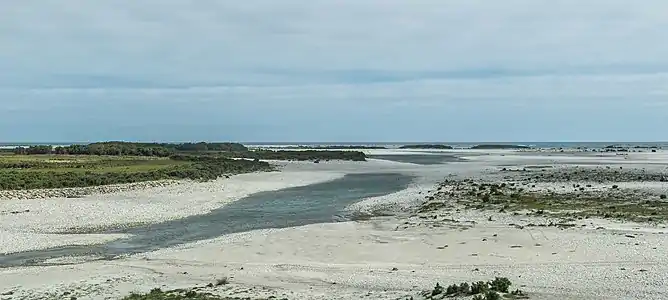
80 192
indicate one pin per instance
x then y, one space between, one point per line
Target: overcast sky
335 70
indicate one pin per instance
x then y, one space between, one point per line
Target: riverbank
80 192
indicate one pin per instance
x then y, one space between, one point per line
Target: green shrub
190 294
491 290
486 198
492 295
500 284
157 294
115 172
479 287
452 290
438 289
518 294
464 288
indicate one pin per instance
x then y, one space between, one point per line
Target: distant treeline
228 150
426 146
500 146
133 149
340 147
627 147
302 155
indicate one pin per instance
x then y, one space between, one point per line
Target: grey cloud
217 42
263 69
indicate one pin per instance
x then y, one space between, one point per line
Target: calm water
464 145
663 144
318 203
420 159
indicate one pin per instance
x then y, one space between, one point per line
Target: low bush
437 290
479 287
491 290
492 295
304 155
126 171
500 284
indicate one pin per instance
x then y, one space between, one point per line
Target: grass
19 172
586 206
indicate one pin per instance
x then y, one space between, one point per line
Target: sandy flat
352 259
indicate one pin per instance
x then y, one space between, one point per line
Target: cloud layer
261 70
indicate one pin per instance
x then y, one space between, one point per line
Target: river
317 203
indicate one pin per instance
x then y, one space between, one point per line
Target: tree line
131 149
228 150
303 155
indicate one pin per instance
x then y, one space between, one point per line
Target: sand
393 257
11 241
353 259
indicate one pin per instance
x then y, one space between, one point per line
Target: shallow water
318 203
420 159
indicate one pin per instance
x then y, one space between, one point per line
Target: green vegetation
229 150
592 174
580 203
426 146
122 162
340 147
133 149
302 155
491 290
157 294
19 172
498 146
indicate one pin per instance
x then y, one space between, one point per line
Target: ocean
465 145
461 145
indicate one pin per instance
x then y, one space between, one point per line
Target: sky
333 70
